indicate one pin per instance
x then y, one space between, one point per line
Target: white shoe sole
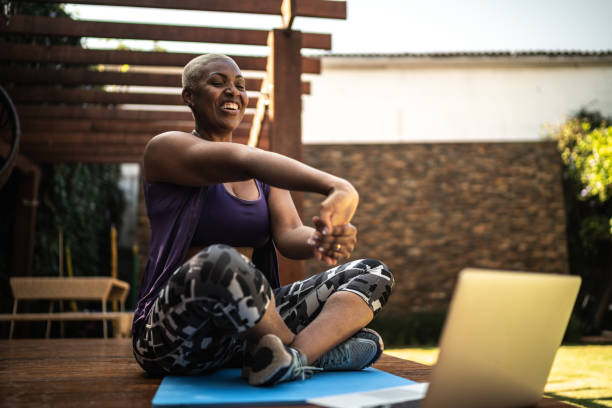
270 348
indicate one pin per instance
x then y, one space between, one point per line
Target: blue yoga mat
225 387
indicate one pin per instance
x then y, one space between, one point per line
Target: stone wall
429 210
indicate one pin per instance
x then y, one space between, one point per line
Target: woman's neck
205 134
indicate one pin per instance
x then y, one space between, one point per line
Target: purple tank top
227 219
174 212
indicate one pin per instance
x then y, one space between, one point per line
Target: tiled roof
477 54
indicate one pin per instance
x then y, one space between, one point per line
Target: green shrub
412 329
425 328
585 146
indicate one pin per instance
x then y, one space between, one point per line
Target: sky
400 26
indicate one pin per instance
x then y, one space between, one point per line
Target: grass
581 374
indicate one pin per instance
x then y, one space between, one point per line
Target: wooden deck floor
103 373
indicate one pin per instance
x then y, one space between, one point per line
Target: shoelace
303 372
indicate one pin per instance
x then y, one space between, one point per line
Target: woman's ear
187 97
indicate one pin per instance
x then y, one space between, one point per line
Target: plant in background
585 144
587 152
83 200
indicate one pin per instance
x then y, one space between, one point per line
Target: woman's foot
273 362
361 350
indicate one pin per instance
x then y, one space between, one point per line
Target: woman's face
220 97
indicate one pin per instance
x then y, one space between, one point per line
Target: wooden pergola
76 111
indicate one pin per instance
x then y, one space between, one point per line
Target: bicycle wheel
9 129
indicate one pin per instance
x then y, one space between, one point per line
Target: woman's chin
232 125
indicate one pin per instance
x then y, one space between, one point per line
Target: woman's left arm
297 241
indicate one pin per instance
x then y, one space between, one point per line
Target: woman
210 295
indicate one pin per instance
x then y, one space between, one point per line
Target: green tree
585 144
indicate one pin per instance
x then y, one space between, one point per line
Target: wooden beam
80 76
79 96
63 26
95 118
93 157
76 55
37 150
93 153
99 112
73 140
285 109
68 131
284 117
288 10
36 95
120 126
260 113
310 8
76 137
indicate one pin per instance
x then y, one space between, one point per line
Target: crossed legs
343 314
200 317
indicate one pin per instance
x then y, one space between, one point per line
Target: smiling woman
210 294
221 86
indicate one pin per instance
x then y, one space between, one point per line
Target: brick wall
429 210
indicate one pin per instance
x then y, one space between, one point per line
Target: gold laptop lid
500 338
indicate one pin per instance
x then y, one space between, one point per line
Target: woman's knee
220 264
222 267
374 284
378 268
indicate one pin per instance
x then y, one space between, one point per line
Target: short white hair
194 69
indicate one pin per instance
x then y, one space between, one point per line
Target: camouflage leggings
196 322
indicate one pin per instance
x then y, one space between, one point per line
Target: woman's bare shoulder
170 142
173 136
182 158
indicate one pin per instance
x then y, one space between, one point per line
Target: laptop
497 347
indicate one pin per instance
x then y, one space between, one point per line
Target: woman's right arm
181 158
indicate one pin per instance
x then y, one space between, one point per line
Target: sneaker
273 362
361 350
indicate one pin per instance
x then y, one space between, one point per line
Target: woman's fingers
332 246
345 235
337 249
337 244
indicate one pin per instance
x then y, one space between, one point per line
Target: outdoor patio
103 373
436 207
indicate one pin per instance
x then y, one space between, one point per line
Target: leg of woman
343 314
195 322
328 308
271 322
323 310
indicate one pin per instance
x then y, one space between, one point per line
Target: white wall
360 100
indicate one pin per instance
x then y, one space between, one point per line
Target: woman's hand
334 246
338 208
